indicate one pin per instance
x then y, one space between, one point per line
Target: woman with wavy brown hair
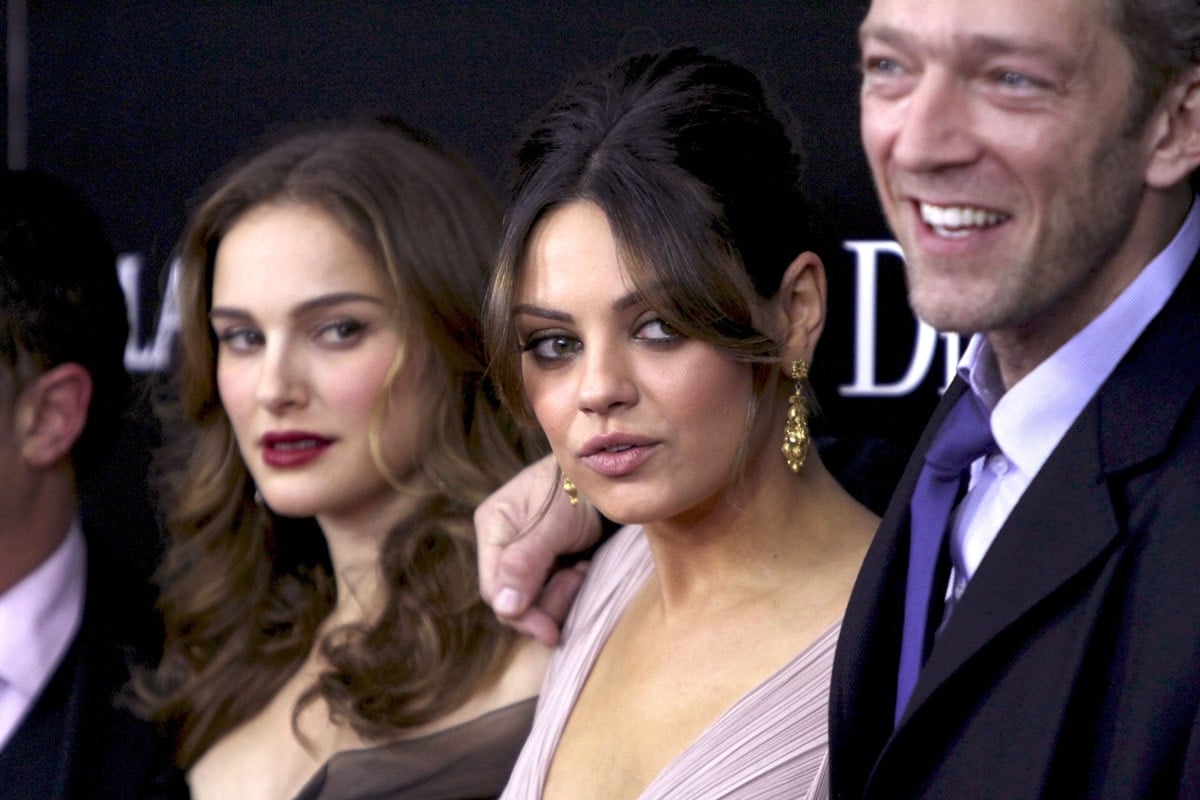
324 632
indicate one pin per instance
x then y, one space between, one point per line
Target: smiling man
1030 629
1033 159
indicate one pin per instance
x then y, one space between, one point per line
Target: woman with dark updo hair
654 310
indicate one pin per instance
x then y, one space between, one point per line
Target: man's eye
1013 79
880 66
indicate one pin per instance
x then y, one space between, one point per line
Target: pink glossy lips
616 454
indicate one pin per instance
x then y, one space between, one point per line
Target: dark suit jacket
77 742
1071 665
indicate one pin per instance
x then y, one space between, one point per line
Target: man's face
999 137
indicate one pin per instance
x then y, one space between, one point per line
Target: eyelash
536 341
336 333
879 65
669 338
236 338
347 330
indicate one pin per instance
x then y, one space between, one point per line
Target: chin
626 513
290 506
949 312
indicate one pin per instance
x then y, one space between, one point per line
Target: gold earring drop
568 487
795 430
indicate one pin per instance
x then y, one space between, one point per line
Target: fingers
559 593
535 623
521 529
543 620
519 570
499 523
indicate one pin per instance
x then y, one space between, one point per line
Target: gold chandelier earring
795 430
568 487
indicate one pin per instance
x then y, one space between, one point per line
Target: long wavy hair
243 592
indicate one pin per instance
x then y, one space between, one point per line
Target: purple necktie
964 436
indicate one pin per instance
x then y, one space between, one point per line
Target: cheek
409 416
872 132
354 386
359 396
721 393
552 400
235 389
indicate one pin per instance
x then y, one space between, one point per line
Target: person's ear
1175 136
52 413
800 307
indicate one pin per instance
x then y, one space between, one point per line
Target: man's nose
934 124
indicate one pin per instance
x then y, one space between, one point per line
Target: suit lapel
863 693
1067 519
36 761
1063 523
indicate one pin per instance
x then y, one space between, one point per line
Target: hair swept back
243 591
699 179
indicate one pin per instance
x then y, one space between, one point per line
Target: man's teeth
957 221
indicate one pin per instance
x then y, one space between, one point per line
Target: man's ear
1176 132
52 413
800 307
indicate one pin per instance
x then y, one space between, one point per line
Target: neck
34 529
355 551
1020 349
777 530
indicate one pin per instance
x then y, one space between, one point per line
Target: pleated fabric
770 744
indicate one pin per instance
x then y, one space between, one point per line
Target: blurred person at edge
73 619
1036 160
324 633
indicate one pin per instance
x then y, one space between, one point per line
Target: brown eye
552 348
657 330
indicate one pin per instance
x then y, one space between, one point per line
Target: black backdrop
137 103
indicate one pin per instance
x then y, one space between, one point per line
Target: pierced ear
800 306
1176 144
52 412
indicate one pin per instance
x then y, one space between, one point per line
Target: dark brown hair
243 591
698 178
60 301
1163 37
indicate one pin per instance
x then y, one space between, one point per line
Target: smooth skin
307 339
747 571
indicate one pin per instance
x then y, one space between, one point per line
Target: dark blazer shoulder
81 740
1029 690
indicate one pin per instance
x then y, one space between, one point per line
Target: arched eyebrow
308 306
622 303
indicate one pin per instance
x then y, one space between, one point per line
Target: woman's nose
607 382
281 383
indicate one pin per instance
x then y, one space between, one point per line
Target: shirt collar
40 615
1031 418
